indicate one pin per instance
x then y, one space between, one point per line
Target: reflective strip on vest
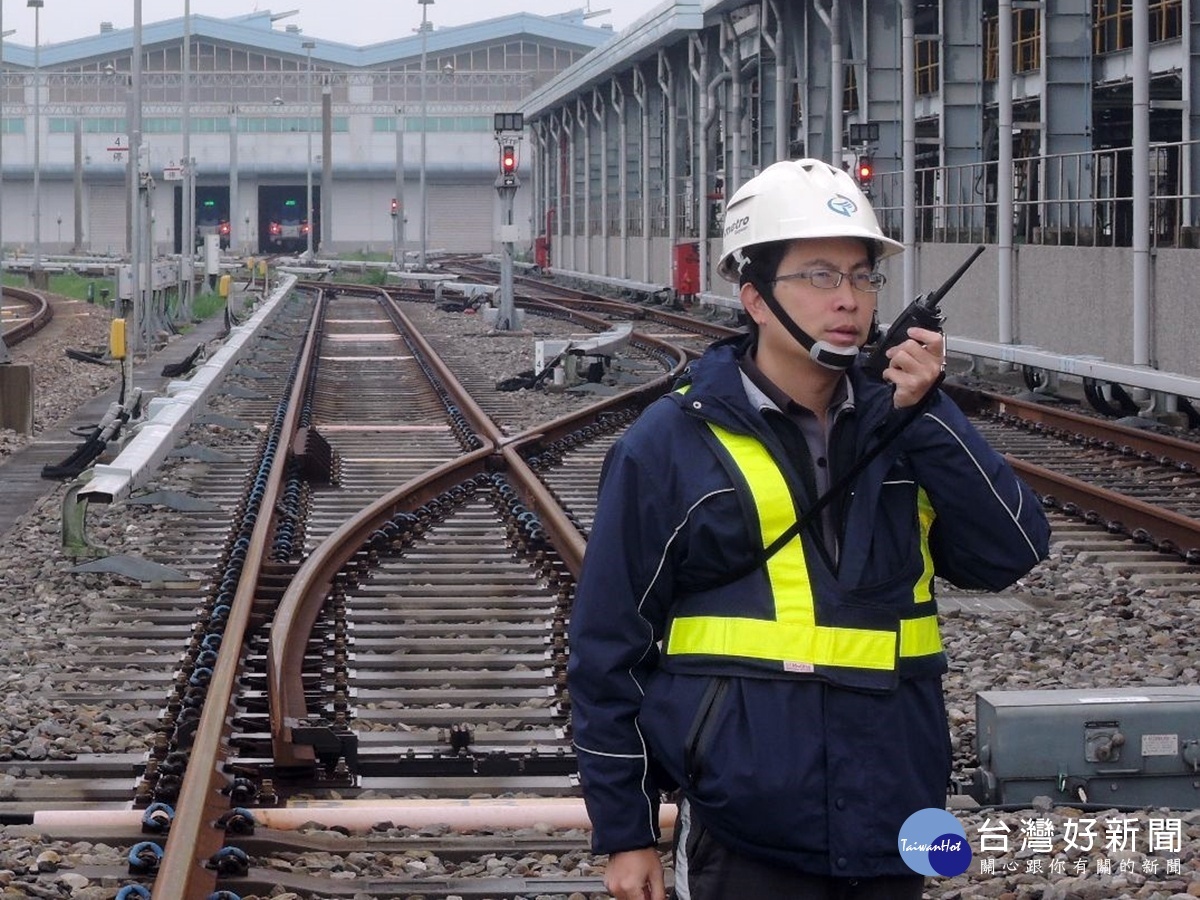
919 635
793 638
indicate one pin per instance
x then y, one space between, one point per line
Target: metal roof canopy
658 28
254 30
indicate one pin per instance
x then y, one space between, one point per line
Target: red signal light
395 206
508 160
866 170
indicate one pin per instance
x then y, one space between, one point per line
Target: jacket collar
717 391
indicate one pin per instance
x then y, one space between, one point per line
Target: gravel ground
62 384
1095 627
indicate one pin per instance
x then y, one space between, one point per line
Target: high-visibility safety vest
859 649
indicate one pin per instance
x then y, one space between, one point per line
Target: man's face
840 316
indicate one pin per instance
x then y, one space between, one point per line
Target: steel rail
565 537
305 597
43 313
1168 531
1149 445
194 835
306 594
637 311
303 600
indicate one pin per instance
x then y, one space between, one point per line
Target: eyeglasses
828 279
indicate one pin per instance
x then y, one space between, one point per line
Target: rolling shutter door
106 218
461 217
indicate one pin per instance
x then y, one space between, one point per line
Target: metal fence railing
1076 198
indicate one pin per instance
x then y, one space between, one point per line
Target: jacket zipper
701 731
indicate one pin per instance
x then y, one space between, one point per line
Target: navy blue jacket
794 770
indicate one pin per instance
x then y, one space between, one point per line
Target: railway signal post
508 128
864 137
397 260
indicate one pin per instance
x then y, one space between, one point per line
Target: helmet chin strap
824 353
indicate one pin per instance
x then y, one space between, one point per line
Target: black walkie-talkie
921 313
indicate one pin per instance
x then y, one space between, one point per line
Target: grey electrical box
1119 746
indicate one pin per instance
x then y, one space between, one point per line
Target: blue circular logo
842 205
933 842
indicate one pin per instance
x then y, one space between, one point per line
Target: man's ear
754 304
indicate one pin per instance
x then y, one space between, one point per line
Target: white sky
356 22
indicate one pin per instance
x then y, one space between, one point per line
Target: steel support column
774 114
326 186
884 95
795 20
557 127
187 218
1190 159
568 127
733 111
236 224
1142 316
398 230
585 179
541 181
600 114
909 147
666 84
698 67
1004 177
77 224
1066 117
819 122
962 113
618 104
641 95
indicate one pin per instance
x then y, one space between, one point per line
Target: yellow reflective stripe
920 636
798 646
923 592
793 637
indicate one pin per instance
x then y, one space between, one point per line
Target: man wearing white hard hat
755 626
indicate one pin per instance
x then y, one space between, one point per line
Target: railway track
322 643
347 449
22 314
1136 483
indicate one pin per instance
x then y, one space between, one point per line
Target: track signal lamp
866 171
508 162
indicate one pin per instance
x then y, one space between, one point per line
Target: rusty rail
1164 529
301 604
42 316
185 871
1148 445
194 836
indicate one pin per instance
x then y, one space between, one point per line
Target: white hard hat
793 199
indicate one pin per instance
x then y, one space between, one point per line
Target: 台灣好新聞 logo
933 842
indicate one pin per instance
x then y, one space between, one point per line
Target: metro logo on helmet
737 225
842 205
793 200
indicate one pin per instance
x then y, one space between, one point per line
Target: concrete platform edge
157 434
